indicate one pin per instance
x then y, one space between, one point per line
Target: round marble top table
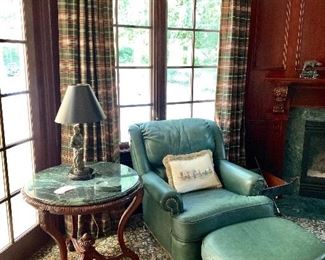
52 193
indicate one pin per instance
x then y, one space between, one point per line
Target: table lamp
79 105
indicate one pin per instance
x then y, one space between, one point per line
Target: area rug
136 235
139 239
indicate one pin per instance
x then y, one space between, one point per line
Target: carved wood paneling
300 27
280 95
270 34
311 44
286 35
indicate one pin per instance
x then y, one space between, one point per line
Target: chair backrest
152 141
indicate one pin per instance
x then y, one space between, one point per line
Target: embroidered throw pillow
189 172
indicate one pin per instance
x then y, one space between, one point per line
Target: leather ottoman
266 238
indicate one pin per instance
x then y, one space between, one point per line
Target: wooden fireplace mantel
296 81
288 93
296 92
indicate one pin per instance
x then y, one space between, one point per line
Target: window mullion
6 177
193 56
117 65
159 54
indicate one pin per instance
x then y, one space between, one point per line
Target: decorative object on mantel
309 70
79 106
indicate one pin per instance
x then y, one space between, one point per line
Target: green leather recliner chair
180 221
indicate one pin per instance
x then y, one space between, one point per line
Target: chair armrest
162 193
240 180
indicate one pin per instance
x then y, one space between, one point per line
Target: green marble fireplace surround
295 141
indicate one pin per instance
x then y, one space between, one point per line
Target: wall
284 33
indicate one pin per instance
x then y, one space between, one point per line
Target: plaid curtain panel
87 56
232 67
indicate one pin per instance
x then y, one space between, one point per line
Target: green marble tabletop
53 187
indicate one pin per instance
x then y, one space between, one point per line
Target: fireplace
297 102
304 155
312 182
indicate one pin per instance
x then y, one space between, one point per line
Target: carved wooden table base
114 185
85 245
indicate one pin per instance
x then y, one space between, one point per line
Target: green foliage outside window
11 60
126 55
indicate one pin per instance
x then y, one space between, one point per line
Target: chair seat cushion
268 239
208 210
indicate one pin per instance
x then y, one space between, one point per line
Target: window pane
16 118
11 20
180 13
2 187
134 46
132 115
179 48
133 12
204 110
178 111
12 68
135 86
21 208
205 81
178 85
4 237
208 14
206 48
20 165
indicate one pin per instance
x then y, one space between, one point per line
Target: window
16 139
167 55
133 63
192 54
